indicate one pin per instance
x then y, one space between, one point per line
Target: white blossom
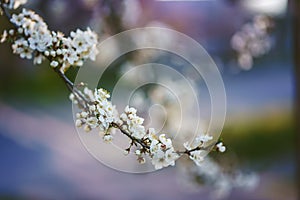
171 156
11 32
66 51
100 113
53 53
203 139
92 122
70 54
54 63
79 42
78 123
38 37
159 160
40 42
107 138
197 156
162 151
20 30
134 123
200 141
221 147
151 134
138 152
21 47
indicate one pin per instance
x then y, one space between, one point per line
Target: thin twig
139 141
188 152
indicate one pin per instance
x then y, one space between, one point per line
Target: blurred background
251 42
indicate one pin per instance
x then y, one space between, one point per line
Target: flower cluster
34 35
33 39
133 123
98 114
161 150
196 148
252 41
77 48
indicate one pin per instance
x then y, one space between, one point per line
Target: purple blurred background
41 154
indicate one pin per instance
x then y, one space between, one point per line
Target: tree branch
84 102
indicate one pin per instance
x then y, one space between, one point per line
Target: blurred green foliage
265 140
